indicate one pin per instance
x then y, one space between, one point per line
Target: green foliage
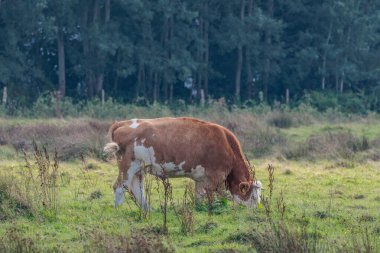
142 52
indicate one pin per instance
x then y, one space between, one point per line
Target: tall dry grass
69 137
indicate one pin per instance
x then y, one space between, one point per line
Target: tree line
164 50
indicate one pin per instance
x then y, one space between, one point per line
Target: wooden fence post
202 98
103 97
287 96
5 95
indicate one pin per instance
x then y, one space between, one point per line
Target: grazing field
326 194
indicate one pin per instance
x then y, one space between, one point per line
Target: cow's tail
111 147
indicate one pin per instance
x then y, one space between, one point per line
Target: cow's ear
244 187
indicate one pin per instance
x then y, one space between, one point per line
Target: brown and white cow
206 152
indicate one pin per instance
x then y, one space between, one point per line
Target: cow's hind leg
124 164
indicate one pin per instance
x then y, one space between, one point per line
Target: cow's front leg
133 170
200 191
138 191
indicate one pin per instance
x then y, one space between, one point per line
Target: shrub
13 202
323 101
280 119
329 144
336 144
352 103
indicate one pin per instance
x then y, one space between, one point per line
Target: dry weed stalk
45 183
164 204
252 168
185 212
267 201
281 207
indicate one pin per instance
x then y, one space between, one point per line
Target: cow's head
250 193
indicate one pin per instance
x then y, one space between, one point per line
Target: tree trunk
5 95
239 59
86 51
161 80
107 11
206 53
268 42
324 59
107 16
249 73
200 59
170 37
139 79
341 84
171 94
95 12
239 64
61 63
98 73
156 89
336 77
248 58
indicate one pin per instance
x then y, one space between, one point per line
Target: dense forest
166 50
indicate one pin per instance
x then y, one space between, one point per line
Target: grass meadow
324 195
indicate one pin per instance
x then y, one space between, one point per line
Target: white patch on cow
119 196
147 156
254 199
134 124
198 172
133 169
248 203
172 169
144 154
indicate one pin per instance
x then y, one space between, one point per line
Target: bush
352 103
336 144
280 119
346 102
323 101
13 202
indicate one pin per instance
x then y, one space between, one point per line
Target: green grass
331 197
